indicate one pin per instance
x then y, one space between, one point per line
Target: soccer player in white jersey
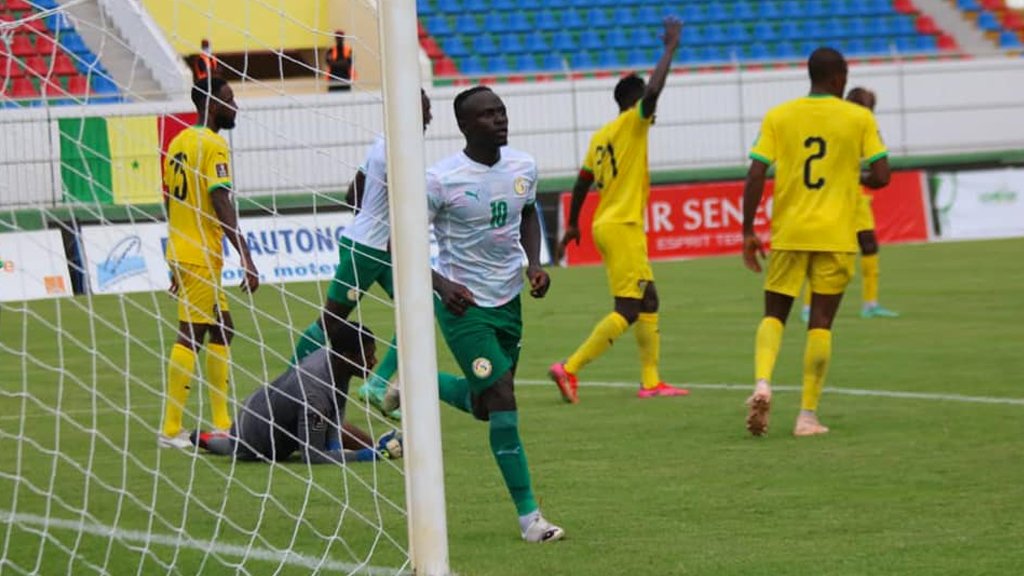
364 258
481 203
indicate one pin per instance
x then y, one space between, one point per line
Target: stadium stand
1002 25
500 37
45 61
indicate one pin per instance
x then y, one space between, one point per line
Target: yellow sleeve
217 166
872 147
764 146
638 122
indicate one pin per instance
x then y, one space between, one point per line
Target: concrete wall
314 143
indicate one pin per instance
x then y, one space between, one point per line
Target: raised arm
673 31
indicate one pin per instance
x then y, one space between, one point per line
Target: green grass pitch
902 486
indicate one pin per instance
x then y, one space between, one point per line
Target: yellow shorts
827 272
865 215
200 294
623 248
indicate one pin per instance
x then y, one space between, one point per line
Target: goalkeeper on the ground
303 410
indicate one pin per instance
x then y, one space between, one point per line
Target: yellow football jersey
196 164
617 157
817 144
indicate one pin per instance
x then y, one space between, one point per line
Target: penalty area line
206 546
929 396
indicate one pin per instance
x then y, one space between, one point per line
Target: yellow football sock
605 333
180 368
766 347
816 360
648 341
217 376
869 266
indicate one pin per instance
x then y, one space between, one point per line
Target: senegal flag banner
115 160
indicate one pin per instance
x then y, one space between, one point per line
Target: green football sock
511 457
311 340
384 371
454 391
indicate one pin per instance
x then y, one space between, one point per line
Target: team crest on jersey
222 170
521 185
353 295
481 367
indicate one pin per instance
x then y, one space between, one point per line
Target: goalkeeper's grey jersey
371 225
476 211
300 409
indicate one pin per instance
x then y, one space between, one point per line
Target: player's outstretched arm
584 181
673 32
877 175
753 190
225 210
529 237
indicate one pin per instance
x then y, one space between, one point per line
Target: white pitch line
843 391
206 546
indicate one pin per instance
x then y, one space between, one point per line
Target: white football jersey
476 211
371 225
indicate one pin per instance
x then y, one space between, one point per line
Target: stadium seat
537 42
987 21
450 6
608 59
22 46
623 16
572 18
581 61
619 39
454 47
526 62
471 66
510 43
1009 39
437 25
968 5
497 22
442 67
485 45
37 65
496 64
638 57
62 65
563 41
591 39
547 20
467 24
23 88
552 62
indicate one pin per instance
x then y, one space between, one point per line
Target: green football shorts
484 341
359 266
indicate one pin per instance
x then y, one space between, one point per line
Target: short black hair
460 99
349 337
630 88
857 94
204 89
825 63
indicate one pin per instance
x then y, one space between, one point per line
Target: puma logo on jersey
473 194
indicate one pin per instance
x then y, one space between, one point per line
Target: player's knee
191 335
649 303
500 397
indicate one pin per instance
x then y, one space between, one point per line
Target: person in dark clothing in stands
303 410
340 72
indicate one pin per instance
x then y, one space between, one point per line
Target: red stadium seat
431 48
78 85
445 67
925 25
22 46
23 88
18 5
53 89
947 42
45 44
1013 21
904 7
63 66
38 65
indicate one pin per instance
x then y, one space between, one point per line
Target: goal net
93 93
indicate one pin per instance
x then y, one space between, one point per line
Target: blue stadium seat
623 16
438 25
618 38
644 38
693 14
927 43
719 12
572 18
648 15
771 11
759 51
520 22
537 42
883 26
547 20
854 47
968 5
745 11
598 18
552 62
581 61
987 21
497 64
786 51
485 45
792 30
510 43
506 5
72 42
765 31
530 4
454 47
467 24
471 66
450 6
692 36
1009 39
857 27
424 8
638 57
878 45
476 6
608 59
715 34
497 22
590 39
793 9
905 25
526 62
563 41
738 33
102 84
